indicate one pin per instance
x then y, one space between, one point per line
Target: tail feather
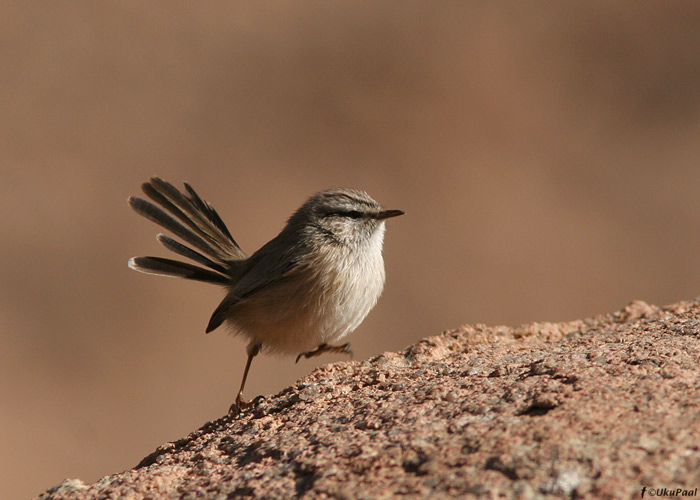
195 214
179 248
214 247
167 267
207 209
169 207
160 217
194 221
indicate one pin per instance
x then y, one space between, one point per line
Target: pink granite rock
596 408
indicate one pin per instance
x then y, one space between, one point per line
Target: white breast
360 281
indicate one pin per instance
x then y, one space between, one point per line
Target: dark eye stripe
353 214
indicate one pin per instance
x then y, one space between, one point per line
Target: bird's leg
239 404
343 349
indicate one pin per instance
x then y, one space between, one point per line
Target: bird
300 293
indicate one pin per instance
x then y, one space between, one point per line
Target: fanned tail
196 222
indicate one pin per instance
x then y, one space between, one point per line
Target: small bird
300 293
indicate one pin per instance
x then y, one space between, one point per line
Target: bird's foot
239 405
342 349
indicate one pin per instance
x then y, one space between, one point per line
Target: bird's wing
268 265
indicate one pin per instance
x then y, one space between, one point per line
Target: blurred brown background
547 159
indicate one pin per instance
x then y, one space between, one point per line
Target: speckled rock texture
596 408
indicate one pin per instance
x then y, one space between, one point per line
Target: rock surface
596 408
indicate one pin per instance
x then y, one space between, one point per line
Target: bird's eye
353 214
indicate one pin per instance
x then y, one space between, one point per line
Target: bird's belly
307 309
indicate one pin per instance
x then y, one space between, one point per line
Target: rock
597 408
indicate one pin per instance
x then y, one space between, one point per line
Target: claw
239 405
234 410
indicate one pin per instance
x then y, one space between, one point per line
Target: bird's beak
386 214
